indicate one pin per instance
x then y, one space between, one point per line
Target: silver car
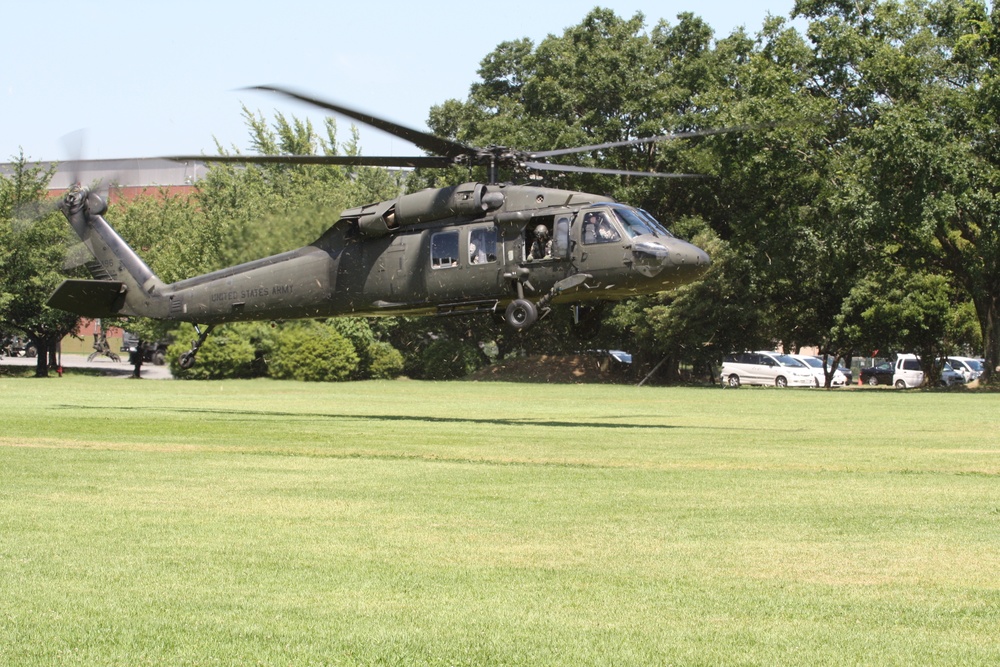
765 368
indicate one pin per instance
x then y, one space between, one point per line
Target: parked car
878 374
969 367
152 352
909 373
949 376
816 365
765 368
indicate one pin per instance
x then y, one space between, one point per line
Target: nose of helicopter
693 260
686 263
670 262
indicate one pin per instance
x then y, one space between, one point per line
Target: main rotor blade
73 147
650 140
546 166
344 160
421 139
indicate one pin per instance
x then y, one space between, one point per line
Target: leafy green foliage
33 245
448 360
377 359
384 362
312 352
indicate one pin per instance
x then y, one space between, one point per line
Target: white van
909 373
765 368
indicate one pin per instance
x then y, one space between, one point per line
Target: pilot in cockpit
597 229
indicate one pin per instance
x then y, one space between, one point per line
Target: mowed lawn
410 523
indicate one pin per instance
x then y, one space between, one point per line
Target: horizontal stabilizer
90 298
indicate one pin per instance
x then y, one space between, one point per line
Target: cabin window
483 245
444 250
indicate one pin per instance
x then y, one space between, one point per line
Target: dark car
155 353
876 375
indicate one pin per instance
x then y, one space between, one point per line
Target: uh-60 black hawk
477 247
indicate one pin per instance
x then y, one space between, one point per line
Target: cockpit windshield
638 222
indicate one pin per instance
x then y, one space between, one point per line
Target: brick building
126 178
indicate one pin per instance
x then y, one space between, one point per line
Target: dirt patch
558 369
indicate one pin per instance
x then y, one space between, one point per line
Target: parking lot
103 364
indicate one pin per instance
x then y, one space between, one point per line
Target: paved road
108 367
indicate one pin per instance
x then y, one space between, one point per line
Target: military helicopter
479 247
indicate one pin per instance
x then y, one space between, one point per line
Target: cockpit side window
598 228
483 245
444 250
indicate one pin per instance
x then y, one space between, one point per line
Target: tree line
854 210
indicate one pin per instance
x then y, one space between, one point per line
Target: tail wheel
186 360
521 314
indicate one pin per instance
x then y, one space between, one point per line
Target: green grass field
408 523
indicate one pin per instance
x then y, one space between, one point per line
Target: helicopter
479 247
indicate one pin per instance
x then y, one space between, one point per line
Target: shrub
384 361
312 352
448 360
377 359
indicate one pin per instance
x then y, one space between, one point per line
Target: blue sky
144 79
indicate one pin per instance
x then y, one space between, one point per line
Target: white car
969 367
816 365
765 368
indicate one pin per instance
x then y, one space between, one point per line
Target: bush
312 353
448 360
384 361
377 360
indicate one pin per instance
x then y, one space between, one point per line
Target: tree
32 252
896 310
923 178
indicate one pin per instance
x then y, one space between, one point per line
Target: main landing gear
521 313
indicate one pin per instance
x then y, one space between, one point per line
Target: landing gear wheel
186 360
521 314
